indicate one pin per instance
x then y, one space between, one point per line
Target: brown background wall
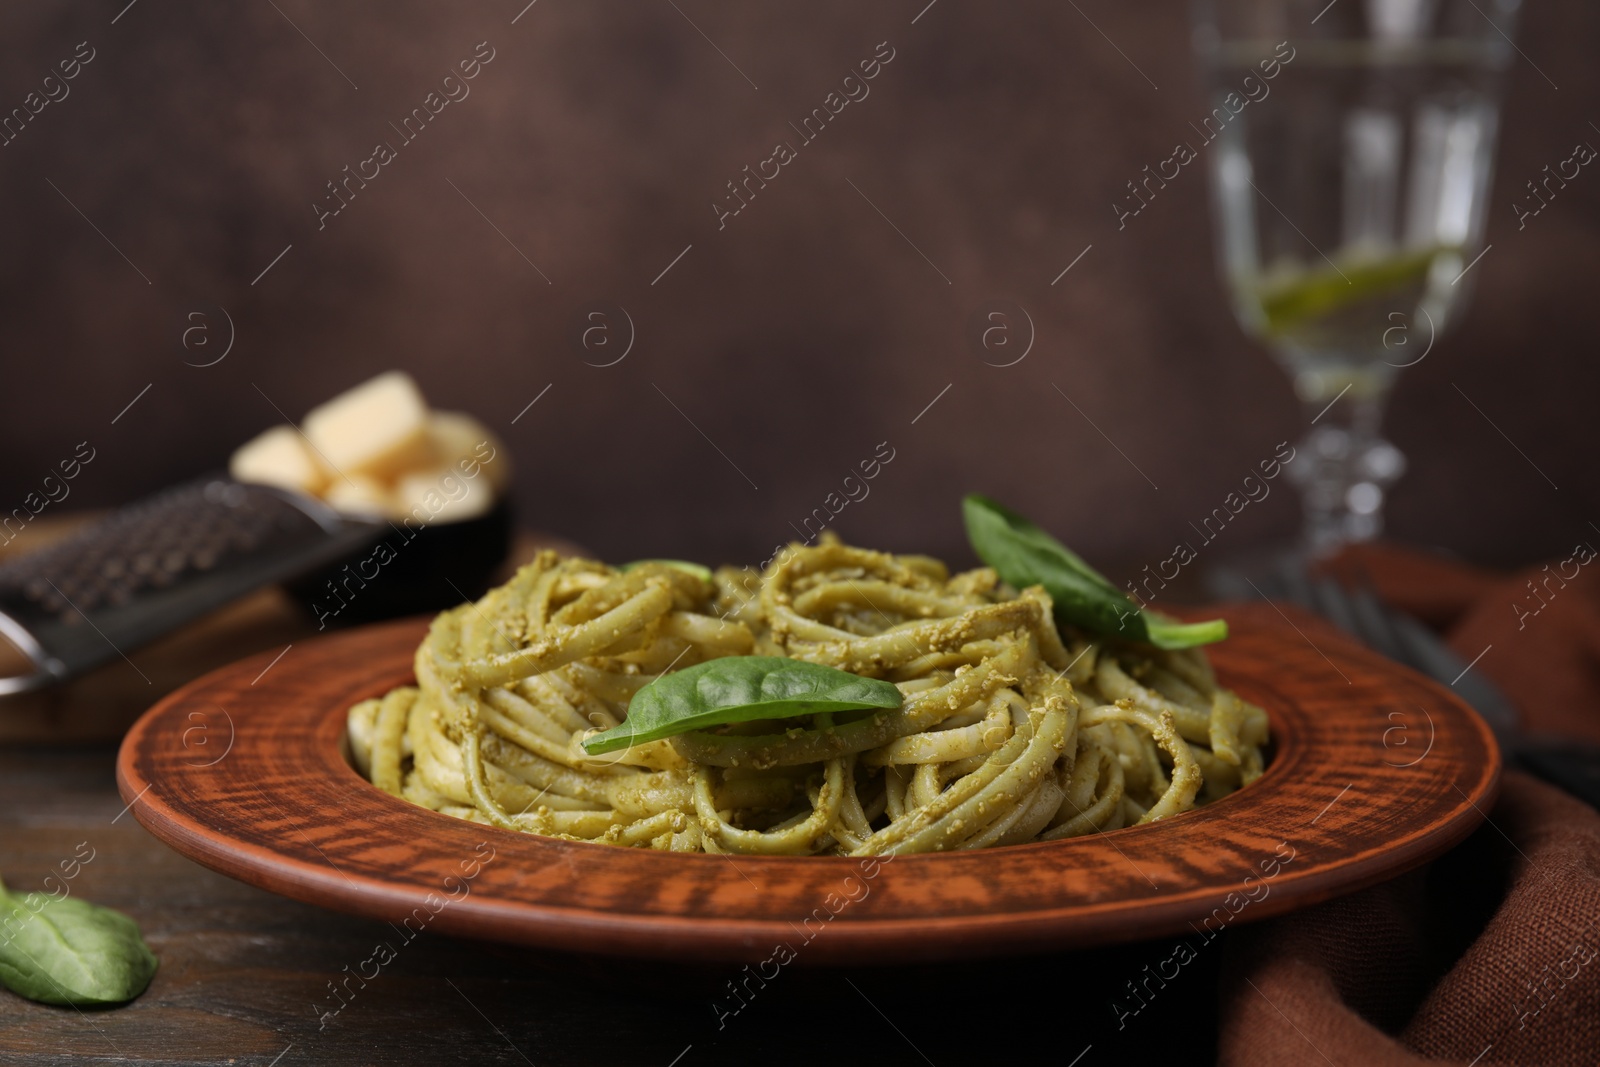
797 338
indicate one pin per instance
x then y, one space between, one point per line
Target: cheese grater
153 565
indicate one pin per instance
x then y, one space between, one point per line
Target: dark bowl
408 571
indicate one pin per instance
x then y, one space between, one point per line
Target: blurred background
557 253
773 350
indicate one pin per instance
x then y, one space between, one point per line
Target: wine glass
1350 146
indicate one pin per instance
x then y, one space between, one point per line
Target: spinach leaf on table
64 950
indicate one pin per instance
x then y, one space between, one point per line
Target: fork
1360 612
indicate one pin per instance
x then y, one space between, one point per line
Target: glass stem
1342 466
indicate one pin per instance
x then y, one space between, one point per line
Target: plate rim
565 926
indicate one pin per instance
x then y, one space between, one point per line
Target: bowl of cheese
435 486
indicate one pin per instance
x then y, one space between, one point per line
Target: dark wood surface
244 979
244 771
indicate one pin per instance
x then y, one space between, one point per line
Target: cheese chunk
359 495
279 457
462 442
443 494
379 428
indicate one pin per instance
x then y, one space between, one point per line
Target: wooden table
245 978
245 975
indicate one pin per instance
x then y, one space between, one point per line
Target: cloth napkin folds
1492 953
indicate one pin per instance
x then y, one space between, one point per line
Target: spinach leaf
740 689
68 951
1024 555
698 570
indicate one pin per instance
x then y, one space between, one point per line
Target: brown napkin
1491 954
1537 631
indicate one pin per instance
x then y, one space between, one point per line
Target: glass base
1342 476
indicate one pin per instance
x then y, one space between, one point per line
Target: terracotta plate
1375 770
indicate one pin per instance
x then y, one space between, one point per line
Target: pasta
1009 730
